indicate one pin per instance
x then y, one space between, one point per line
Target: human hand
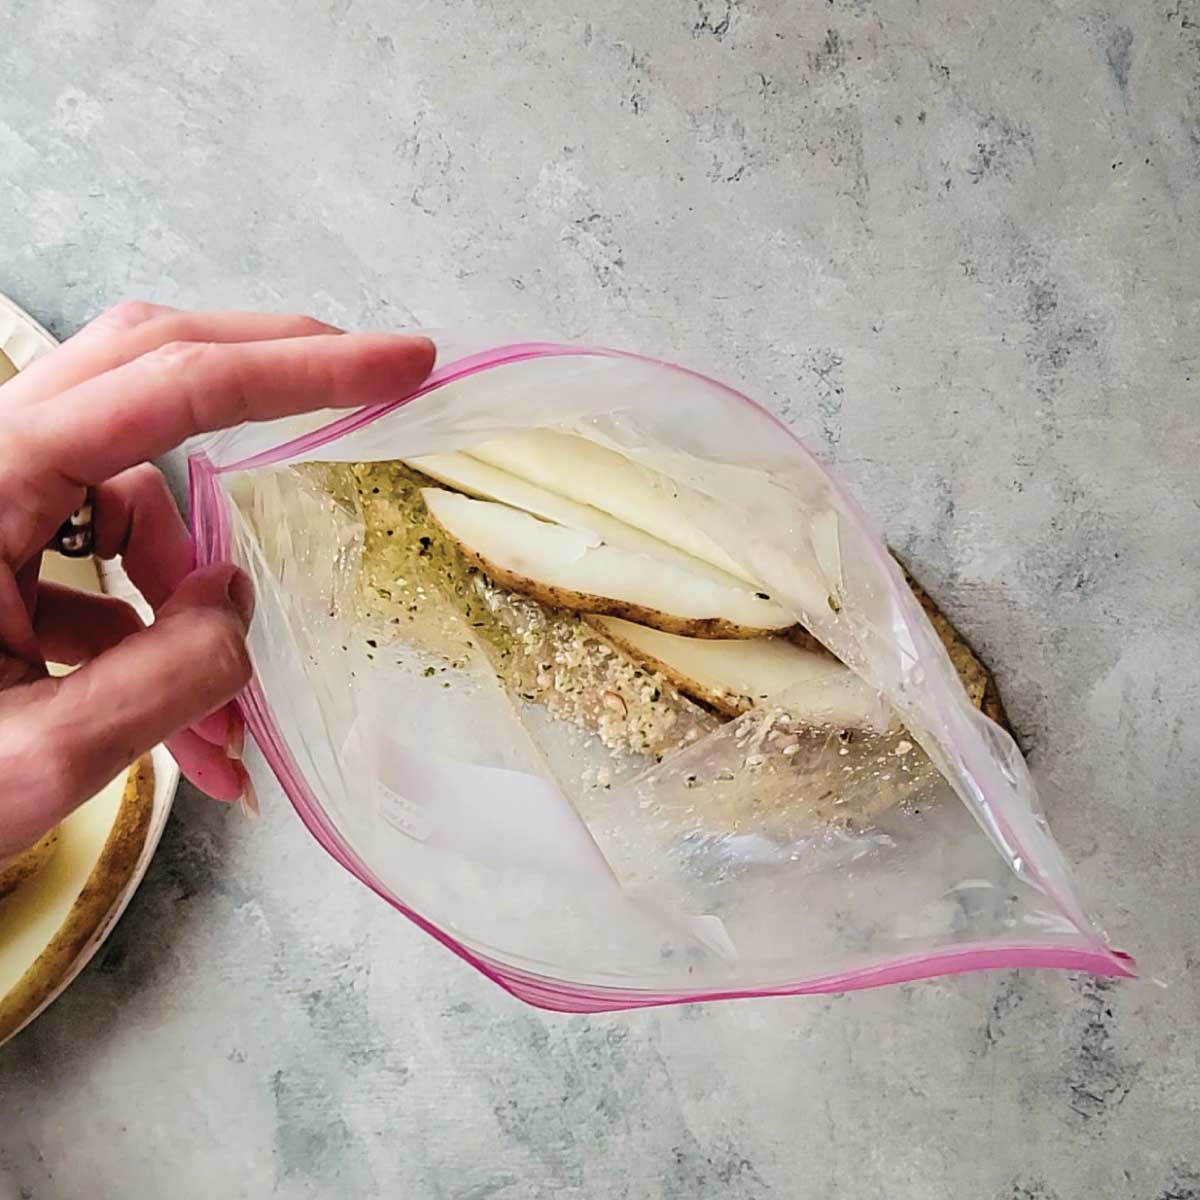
130 386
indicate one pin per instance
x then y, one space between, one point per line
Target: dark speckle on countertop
311 1141
999 148
1031 1189
1184 1185
830 55
824 368
721 1170
594 238
1118 53
714 18
1102 1077
1007 998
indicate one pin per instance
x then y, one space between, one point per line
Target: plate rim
30 340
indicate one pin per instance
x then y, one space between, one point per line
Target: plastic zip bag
751 856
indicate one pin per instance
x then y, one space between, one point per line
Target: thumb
62 740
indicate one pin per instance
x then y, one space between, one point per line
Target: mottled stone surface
955 244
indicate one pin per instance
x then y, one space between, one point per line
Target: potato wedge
476 478
588 473
575 569
735 676
47 923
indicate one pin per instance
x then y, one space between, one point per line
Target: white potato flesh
577 569
735 676
588 473
478 478
34 914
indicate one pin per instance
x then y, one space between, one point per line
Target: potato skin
579 602
725 704
110 874
16 870
976 678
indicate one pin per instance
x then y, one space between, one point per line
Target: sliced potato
736 676
46 924
16 870
79 573
575 569
588 473
478 478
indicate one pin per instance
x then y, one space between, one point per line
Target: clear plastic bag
755 858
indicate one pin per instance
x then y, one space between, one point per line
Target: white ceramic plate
23 340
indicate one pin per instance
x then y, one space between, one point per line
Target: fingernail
429 343
241 596
235 739
248 800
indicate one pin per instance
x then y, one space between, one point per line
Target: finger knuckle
43 770
146 481
179 354
128 314
225 650
59 777
124 617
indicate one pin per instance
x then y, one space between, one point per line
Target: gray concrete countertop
954 243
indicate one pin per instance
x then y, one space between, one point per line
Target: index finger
144 408
135 327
